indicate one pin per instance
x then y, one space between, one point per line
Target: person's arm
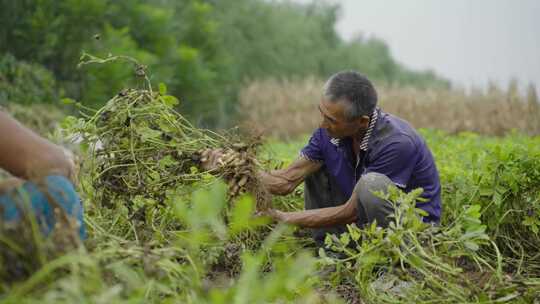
284 181
317 218
278 182
26 155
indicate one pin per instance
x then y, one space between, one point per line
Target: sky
468 41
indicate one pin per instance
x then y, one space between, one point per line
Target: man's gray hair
354 89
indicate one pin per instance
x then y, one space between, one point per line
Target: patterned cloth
32 198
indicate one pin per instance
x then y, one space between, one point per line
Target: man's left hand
276 215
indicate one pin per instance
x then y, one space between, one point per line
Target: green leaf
485 191
473 234
471 245
154 176
421 212
354 232
162 88
328 241
241 214
322 253
473 213
147 133
68 101
170 100
69 122
416 261
344 238
167 161
206 209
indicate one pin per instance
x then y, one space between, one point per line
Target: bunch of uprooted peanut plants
140 149
238 166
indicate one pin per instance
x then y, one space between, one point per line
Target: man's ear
363 121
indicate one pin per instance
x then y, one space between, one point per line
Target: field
199 247
137 90
163 231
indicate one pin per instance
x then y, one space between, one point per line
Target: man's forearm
276 183
317 218
284 181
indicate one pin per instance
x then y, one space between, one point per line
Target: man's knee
371 207
372 182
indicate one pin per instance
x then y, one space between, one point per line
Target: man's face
335 122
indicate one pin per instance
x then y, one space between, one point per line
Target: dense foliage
25 83
203 49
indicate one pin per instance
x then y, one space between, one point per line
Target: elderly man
43 173
357 150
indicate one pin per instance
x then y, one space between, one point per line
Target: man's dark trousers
321 191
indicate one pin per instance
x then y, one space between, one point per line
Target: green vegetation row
204 50
484 251
501 175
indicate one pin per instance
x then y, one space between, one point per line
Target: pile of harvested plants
141 149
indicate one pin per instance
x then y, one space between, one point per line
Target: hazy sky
468 41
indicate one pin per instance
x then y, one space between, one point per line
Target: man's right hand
210 158
274 214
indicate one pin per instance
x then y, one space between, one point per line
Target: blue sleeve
314 149
395 159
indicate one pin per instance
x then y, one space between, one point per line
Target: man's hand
210 158
276 215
